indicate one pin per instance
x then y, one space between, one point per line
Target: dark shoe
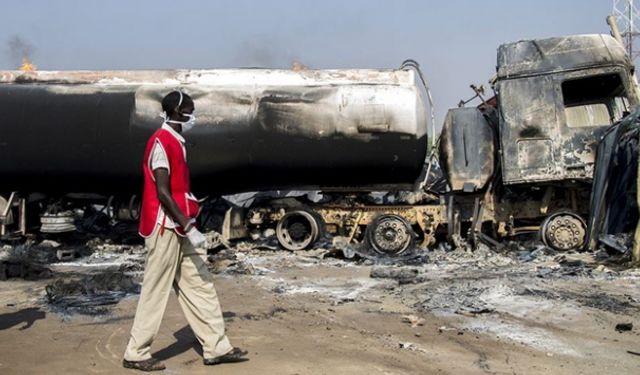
150 364
235 355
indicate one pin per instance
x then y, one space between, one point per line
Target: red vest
179 183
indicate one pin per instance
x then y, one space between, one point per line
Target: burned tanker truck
519 162
523 160
71 140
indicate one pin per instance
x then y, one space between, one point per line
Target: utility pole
628 19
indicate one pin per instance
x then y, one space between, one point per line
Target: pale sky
454 41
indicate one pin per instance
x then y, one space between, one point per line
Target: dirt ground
524 312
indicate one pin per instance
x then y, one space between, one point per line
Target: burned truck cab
555 98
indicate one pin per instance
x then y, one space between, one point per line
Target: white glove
196 238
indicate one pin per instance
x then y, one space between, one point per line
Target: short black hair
171 100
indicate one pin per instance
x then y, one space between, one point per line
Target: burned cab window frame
583 100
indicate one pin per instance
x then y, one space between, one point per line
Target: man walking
168 224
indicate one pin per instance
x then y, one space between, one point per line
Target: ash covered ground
520 309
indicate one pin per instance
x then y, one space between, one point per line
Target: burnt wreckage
521 161
613 220
555 99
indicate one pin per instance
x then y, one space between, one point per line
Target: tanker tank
257 129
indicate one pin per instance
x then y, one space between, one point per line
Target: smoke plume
266 53
18 49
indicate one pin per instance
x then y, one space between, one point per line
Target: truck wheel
297 230
563 231
390 235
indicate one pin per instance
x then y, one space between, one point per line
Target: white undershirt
159 159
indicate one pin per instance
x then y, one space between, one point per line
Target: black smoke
18 48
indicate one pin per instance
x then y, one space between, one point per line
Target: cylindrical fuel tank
256 129
467 149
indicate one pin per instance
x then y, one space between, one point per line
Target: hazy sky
454 41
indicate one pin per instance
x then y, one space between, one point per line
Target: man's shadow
185 340
27 316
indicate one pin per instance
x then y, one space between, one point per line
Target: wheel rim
390 235
297 230
563 231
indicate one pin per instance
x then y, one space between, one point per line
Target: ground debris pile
228 261
27 261
107 246
38 259
272 313
89 275
404 275
622 242
522 276
466 299
615 303
92 294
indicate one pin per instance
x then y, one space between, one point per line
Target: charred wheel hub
563 231
297 230
390 234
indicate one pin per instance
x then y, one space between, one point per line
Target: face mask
188 125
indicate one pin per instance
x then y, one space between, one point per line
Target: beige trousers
173 261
